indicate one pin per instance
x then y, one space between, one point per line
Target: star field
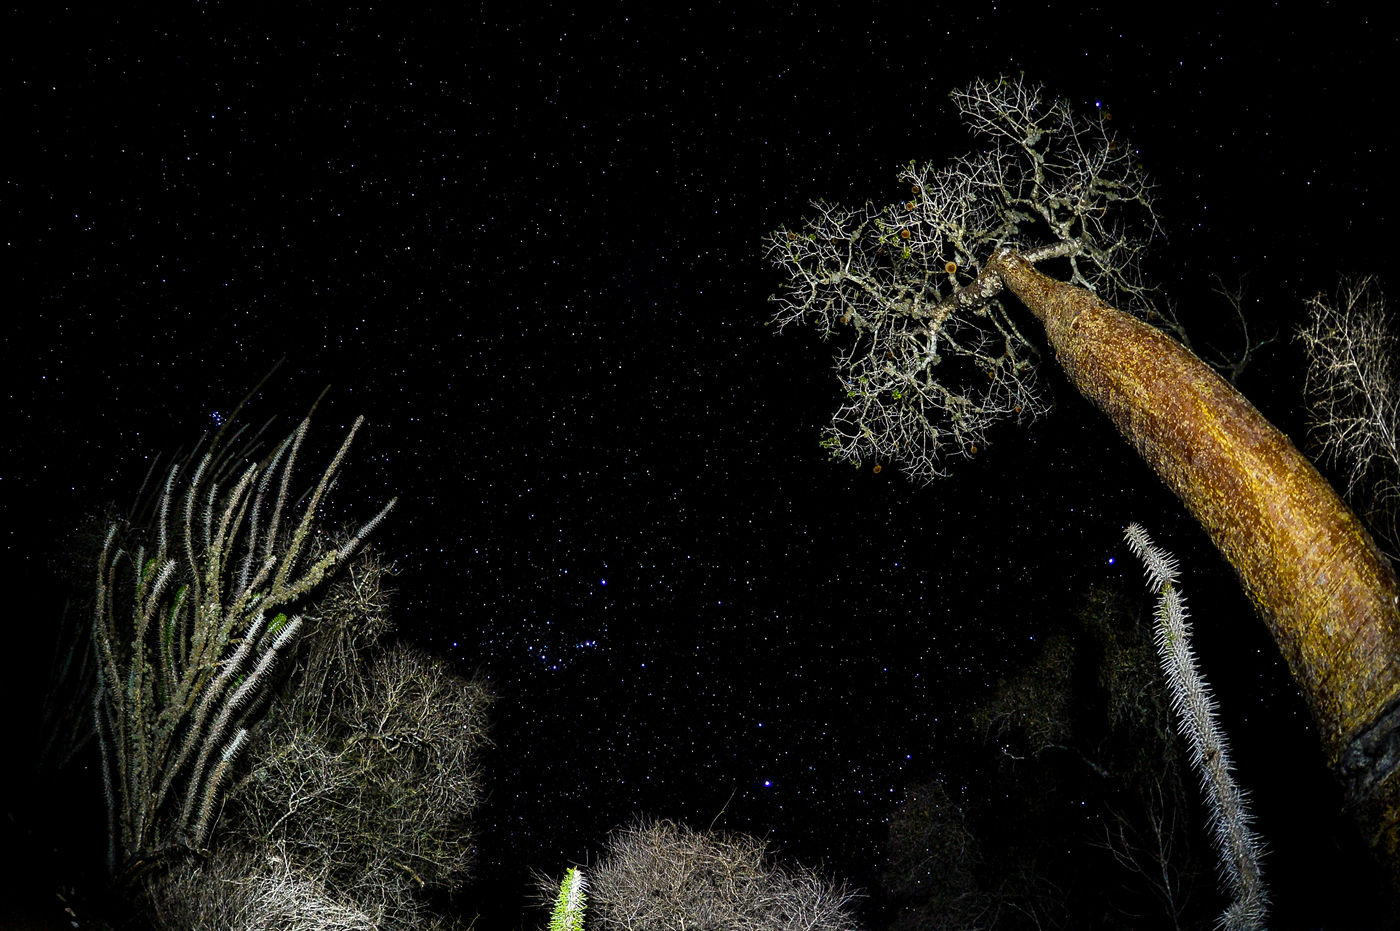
525 243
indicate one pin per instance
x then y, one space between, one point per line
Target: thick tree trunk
1329 597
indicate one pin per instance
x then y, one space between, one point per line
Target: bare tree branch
1353 390
1154 849
1232 366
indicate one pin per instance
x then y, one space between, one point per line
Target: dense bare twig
1353 390
240 889
663 876
371 768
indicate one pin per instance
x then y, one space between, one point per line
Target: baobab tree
935 351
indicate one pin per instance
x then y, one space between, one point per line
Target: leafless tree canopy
663 876
930 358
1353 388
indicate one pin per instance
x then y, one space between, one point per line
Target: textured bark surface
1313 572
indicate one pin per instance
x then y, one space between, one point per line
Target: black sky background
525 242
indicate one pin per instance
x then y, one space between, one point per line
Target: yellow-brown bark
1314 574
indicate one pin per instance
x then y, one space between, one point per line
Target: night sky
526 244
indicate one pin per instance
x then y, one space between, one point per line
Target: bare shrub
239 890
376 797
664 876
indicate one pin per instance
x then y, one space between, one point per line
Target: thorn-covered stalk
187 647
1195 710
